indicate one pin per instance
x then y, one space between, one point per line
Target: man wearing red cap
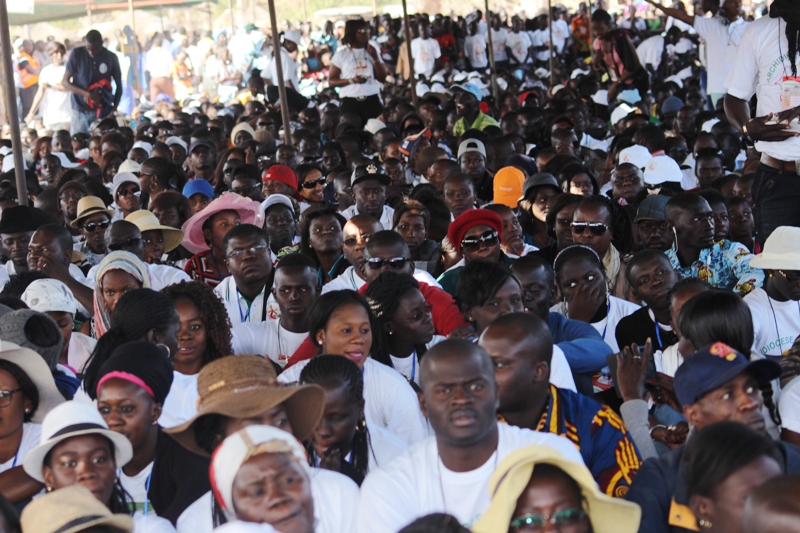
475 234
280 179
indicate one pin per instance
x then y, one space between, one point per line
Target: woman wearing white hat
77 448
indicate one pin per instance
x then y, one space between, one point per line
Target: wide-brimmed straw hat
245 386
69 510
147 221
38 372
73 419
781 250
88 206
249 211
607 514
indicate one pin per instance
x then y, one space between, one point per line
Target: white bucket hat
781 250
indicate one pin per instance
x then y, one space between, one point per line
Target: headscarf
119 260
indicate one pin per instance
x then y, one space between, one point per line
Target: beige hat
244 386
781 250
70 510
607 514
147 221
242 126
88 206
35 367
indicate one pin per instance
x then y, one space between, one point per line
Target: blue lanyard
147 493
243 316
15 459
658 335
413 365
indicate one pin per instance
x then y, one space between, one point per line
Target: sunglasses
122 245
75 196
243 191
313 183
538 522
397 263
91 227
128 192
595 228
473 244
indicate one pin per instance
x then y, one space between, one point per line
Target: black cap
202 142
22 218
369 171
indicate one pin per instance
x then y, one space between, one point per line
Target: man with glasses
280 226
652 224
369 185
68 197
245 183
626 184
93 220
725 265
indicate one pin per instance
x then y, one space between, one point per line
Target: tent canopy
50 10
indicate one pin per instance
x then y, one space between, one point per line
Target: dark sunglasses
122 245
595 228
127 192
91 227
473 244
313 183
243 191
397 263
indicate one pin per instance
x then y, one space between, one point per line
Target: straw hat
147 221
249 211
69 510
244 386
73 419
39 373
781 250
88 206
607 514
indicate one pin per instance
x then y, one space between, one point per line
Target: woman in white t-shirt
343 441
56 105
356 69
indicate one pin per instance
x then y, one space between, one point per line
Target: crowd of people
466 285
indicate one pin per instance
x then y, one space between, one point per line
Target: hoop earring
166 348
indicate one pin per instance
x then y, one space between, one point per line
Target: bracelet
656 427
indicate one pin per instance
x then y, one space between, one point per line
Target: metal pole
495 91
277 51
89 12
135 46
375 8
550 20
408 49
210 17
305 12
233 21
13 112
161 17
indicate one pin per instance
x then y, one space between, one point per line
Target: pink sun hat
249 213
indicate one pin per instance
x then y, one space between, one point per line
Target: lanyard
413 365
147 493
244 317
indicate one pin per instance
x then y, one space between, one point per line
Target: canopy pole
210 17
89 12
374 8
495 92
408 49
161 17
277 51
550 20
305 12
135 47
233 21
11 100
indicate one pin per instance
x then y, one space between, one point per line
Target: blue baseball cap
714 365
198 186
468 87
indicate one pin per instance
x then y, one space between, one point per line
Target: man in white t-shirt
425 51
499 35
518 44
159 65
291 40
55 104
763 68
449 473
475 48
561 32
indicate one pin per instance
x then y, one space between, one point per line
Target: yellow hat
147 221
607 514
508 186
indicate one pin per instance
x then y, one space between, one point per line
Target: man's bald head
123 235
774 507
523 330
366 224
452 353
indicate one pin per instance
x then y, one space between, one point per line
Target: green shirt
481 122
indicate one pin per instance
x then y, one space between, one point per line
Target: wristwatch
746 138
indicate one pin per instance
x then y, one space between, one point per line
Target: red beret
281 173
472 218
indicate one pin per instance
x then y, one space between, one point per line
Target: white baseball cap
662 169
636 155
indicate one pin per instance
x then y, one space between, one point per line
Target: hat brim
383 178
768 261
37 370
193 239
764 370
172 237
304 404
89 212
119 521
34 461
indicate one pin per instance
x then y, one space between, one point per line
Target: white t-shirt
150 523
236 305
425 53
760 66
519 43
386 218
499 44
289 70
389 401
384 447
181 402
540 38
267 338
56 106
80 349
721 43
789 405
336 504
159 62
136 486
417 483
409 366
352 281
776 324
668 360
160 276
561 33
356 62
650 50
607 327
31 436
475 50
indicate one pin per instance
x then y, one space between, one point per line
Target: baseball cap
176 140
274 199
374 125
714 365
620 112
662 169
508 186
198 186
636 155
370 171
673 104
292 35
202 142
471 145
652 208
471 88
281 173
537 180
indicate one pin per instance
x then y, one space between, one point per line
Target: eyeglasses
352 241
397 263
91 227
6 396
651 226
265 124
74 196
128 192
123 245
559 519
473 244
313 183
622 180
242 191
595 228
253 250
791 278
416 317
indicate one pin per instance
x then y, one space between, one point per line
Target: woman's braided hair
787 10
384 295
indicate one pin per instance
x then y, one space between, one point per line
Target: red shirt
445 40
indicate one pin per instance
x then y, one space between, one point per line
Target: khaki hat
245 386
607 514
35 367
88 206
70 510
147 221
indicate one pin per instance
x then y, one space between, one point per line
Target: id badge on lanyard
790 92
